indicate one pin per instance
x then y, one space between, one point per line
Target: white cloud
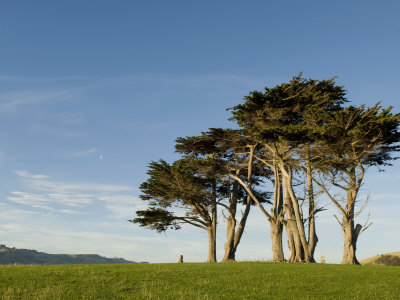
23 173
75 198
57 187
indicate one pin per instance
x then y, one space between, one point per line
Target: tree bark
298 220
229 245
291 246
234 234
276 236
212 249
275 220
242 223
291 228
350 235
212 230
312 235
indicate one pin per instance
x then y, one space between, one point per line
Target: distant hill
11 256
373 260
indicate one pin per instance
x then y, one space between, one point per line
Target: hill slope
372 260
10 256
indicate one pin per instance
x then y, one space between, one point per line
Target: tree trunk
229 244
350 235
276 235
275 220
242 223
293 232
212 249
291 246
298 221
212 230
312 235
233 238
299 253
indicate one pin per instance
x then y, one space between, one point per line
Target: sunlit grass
243 280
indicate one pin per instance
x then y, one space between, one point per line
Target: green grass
245 280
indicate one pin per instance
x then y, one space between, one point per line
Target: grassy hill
243 280
372 260
10 256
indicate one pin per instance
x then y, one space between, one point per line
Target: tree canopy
295 141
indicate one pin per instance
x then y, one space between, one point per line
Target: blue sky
91 91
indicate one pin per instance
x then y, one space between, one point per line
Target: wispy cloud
26 174
11 101
81 153
11 78
55 186
36 201
74 197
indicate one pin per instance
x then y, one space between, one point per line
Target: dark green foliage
295 134
177 185
157 219
217 142
279 113
388 260
357 135
179 182
226 150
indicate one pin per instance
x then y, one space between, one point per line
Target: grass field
244 280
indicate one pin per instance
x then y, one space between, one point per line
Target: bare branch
362 207
264 162
192 221
329 196
340 223
366 225
248 190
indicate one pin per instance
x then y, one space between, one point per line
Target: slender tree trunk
212 230
233 238
242 223
276 236
291 246
235 234
276 219
229 245
312 235
212 246
350 233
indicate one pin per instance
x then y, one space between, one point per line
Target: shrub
388 260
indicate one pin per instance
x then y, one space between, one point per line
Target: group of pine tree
295 142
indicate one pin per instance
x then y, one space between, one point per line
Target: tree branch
248 190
